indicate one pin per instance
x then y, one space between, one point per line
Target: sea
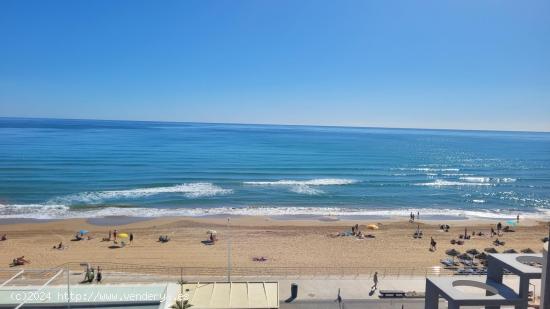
56 168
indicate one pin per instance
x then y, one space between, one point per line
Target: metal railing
135 270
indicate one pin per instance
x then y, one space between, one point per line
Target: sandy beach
284 243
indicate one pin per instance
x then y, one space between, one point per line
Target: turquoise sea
85 168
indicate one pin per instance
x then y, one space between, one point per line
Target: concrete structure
494 294
520 265
524 266
545 280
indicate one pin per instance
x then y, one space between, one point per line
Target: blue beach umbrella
82 232
511 223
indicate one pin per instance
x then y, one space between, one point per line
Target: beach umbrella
527 250
372 227
490 250
83 232
211 232
452 253
122 235
509 251
481 256
511 223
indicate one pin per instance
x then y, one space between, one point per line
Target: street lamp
228 251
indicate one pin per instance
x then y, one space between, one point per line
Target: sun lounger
449 263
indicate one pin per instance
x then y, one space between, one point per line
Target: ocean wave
478 201
189 190
487 179
312 182
38 211
428 169
304 186
448 183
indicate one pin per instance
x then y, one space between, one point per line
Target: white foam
37 211
448 183
304 186
60 211
475 179
190 190
312 182
428 169
487 179
303 189
478 201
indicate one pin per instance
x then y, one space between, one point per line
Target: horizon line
278 124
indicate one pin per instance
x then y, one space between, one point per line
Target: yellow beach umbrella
372 227
122 235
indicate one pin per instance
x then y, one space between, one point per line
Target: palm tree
180 303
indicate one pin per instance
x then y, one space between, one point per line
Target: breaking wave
190 190
487 179
448 183
304 186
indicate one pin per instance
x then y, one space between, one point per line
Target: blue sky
431 64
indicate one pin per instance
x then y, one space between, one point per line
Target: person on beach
339 299
433 244
517 218
418 215
131 237
375 281
492 232
115 232
110 234
99 275
499 227
4 237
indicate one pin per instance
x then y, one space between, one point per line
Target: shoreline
122 220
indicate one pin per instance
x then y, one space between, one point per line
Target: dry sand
284 243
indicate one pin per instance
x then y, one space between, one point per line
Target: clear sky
430 64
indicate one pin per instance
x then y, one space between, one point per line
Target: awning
221 295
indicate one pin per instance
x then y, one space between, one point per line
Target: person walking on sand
418 215
110 235
99 275
517 218
433 244
131 237
375 281
115 232
339 299
499 227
